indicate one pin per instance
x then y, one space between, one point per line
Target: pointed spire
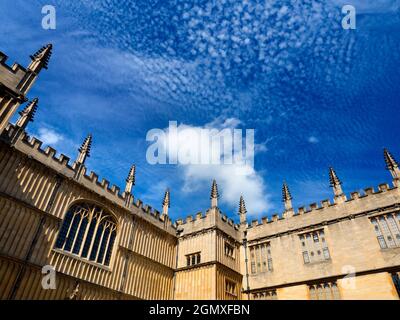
214 194
242 206
84 150
40 59
242 210
391 164
27 114
130 180
335 182
389 159
286 197
166 202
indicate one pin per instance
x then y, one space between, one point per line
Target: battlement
213 218
11 76
32 147
342 206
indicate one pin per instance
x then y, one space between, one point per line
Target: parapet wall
32 147
358 203
11 76
213 218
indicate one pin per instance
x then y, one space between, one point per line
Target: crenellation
139 203
36 144
313 206
383 187
14 67
199 215
12 75
116 190
50 152
325 203
93 177
63 160
355 195
105 184
264 220
156 214
301 210
189 219
147 209
369 191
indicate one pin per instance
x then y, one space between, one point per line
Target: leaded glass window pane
81 223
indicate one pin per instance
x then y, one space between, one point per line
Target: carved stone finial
166 202
214 194
391 164
84 150
27 114
335 182
242 210
130 180
40 59
286 197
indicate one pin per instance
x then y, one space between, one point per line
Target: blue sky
316 95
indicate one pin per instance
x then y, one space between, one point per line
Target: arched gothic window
89 232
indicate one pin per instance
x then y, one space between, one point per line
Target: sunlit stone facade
105 244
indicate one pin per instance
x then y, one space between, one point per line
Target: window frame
314 247
82 235
386 227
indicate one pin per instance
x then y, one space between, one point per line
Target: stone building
105 244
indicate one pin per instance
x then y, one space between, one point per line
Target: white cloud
49 136
313 140
234 180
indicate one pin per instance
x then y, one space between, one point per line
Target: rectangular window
387 230
270 268
314 246
229 250
263 258
192 259
324 291
326 253
252 260
230 290
306 257
260 258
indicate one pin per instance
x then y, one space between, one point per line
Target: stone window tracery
261 258
387 230
314 246
88 231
